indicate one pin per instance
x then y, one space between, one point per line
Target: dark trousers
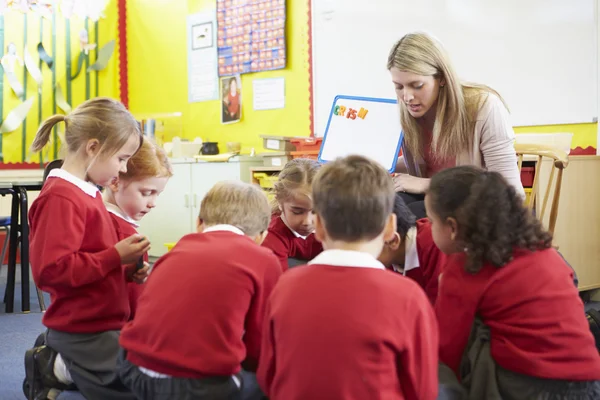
415 202
91 359
213 388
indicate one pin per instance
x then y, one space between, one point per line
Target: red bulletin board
250 36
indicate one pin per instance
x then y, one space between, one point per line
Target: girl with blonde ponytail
77 258
446 122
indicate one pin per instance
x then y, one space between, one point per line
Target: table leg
24 225
9 297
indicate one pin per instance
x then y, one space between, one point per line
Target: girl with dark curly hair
503 274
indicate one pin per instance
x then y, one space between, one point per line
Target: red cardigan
353 333
202 309
431 261
536 318
124 230
73 257
285 244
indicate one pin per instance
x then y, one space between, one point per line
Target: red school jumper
360 332
73 257
423 261
286 243
126 227
202 309
536 318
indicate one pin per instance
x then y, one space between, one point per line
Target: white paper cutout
8 64
86 46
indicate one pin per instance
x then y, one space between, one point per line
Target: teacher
446 122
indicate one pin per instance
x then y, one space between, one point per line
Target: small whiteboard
363 126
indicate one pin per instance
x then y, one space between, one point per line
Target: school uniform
423 261
200 317
287 243
125 227
360 332
74 259
534 314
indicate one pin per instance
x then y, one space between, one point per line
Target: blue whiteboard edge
372 99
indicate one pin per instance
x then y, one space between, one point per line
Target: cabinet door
204 177
171 218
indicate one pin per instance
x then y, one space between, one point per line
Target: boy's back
201 311
354 335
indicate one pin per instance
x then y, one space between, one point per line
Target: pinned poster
364 126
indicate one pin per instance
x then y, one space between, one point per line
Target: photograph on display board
250 36
231 99
202 36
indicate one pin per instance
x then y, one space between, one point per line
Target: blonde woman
446 122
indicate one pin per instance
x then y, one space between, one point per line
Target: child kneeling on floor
412 252
77 257
133 194
344 327
199 318
512 324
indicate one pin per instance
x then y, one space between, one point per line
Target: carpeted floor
17 333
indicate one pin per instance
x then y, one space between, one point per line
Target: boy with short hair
412 252
360 331
200 316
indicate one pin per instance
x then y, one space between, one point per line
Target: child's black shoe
39 373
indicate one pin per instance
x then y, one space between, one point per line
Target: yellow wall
584 135
157 46
108 78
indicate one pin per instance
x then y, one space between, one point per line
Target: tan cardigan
493 147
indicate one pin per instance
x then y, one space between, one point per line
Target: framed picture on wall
231 99
202 36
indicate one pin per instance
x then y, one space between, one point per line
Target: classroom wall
19 28
157 50
584 135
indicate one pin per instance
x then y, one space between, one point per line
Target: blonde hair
354 196
458 102
236 203
101 118
297 174
150 161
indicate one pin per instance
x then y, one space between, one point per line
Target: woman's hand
410 184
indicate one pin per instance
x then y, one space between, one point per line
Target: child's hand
133 274
132 248
139 275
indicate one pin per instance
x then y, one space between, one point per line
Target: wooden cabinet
177 208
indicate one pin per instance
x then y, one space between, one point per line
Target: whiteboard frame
359 98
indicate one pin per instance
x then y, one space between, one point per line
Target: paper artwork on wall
8 62
60 100
32 68
84 42
14 118
104 55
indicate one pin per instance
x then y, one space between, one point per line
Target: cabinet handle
195 200
186 200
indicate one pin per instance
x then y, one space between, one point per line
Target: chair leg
3 253
40 296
